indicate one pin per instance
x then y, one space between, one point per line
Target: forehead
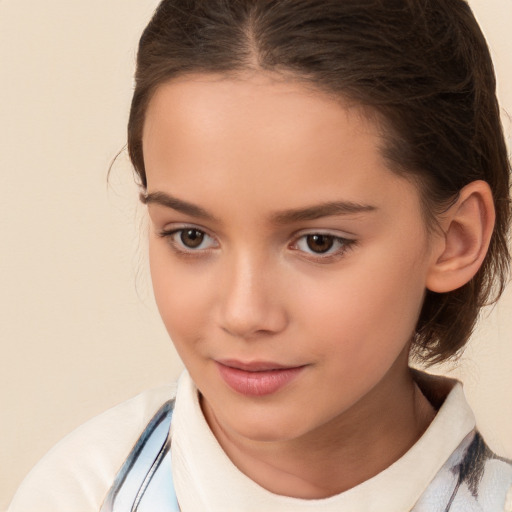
261 136
214 105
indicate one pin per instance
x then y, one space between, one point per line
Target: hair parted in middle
420 68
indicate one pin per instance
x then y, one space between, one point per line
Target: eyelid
327 257
336 233
181 249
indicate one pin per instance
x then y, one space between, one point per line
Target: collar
206 479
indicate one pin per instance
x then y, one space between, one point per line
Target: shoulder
474 478
485 475
77 472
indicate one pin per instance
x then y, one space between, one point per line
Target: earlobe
467 228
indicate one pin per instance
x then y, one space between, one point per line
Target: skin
232 157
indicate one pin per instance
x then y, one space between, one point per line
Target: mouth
258 378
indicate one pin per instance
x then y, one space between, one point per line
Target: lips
258 378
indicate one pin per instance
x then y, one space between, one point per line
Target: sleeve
76 474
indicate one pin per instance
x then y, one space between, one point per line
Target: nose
252 305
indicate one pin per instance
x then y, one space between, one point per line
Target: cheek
365 312
178 293
359 327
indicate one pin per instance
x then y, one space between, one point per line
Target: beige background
78 328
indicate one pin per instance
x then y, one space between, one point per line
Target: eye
320 244
189 239
323 245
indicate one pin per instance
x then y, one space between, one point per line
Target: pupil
320 243
192 238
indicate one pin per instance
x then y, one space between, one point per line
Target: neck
352 448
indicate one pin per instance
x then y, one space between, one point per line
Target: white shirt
77 473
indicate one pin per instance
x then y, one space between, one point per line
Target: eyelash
178 246
345 244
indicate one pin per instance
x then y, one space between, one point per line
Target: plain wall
79 331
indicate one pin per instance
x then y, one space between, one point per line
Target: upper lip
255 366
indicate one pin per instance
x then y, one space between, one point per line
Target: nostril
248 333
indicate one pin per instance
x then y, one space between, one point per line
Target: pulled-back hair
422 66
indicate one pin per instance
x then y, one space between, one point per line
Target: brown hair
421 65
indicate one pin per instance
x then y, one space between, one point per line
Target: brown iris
320 243
192 238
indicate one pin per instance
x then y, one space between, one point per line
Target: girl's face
288 262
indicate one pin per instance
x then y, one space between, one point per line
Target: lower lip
258 383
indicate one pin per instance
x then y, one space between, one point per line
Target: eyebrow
179 205
331 208
328 209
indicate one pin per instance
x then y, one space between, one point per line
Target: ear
461 247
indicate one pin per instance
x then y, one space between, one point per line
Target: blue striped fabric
144 482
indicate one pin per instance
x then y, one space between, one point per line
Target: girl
328 189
